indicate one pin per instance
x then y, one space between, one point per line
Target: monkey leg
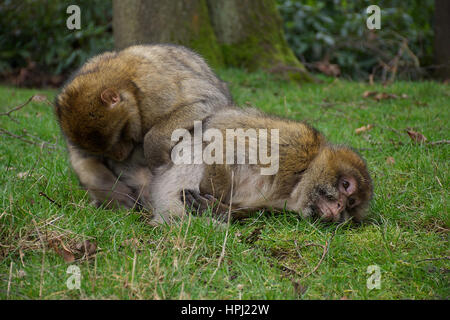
102 185
166 188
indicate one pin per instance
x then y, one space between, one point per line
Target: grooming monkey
314 177
118 99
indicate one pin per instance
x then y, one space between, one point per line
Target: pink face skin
331 209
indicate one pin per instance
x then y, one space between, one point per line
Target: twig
133 269
42 194
43 257
9 281
8 113
433 259
21 138
325 247
440 142
324 253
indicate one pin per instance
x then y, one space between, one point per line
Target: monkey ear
110 96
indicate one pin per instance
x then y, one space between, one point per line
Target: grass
265 256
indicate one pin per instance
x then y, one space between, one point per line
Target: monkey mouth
325 213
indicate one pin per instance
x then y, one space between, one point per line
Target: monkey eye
351 202
345 184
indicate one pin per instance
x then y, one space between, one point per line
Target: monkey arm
103 186
157 141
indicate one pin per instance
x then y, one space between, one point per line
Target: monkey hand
201 203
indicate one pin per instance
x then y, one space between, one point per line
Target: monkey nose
338 207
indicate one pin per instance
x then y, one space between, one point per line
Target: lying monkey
314 177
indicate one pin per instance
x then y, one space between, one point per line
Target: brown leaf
86 247
62 250
21 274
22 175
68 256
367 94
379 95
417 137
363 129
390 160
39 98
384 96
328 68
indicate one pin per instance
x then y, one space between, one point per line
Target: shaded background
282 37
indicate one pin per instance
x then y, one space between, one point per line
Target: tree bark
250 33
442 38
166 21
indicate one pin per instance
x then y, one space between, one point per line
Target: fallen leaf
367 94
39 98
384 96
22 175
21 274
62 250
416 136
390 160
86 247
363 129
379 95
328 68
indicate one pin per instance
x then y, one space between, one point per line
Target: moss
203 39
263 46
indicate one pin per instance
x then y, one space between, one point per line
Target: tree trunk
250 33
442 38
166 21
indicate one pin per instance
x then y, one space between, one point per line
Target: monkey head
100 119
336 186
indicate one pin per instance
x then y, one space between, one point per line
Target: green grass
265 256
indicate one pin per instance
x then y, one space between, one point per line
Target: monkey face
335 187
101 125
334 206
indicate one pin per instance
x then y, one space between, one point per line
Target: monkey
314 177
118 100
